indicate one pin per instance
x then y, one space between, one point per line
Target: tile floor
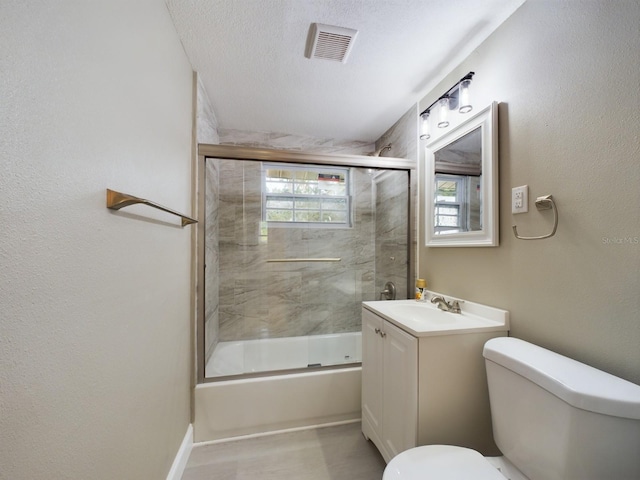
329 453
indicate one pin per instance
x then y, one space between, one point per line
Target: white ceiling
250 55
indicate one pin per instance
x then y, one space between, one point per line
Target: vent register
328 42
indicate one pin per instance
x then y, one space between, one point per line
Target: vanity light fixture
457 97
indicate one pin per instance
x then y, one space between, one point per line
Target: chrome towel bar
118 200
304 260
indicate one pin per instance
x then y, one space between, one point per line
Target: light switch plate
520 199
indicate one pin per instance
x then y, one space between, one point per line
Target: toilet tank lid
577 384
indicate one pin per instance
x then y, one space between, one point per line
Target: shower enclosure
290 245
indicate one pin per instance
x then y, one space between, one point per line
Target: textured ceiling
250 55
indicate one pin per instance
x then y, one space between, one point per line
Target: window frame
320 169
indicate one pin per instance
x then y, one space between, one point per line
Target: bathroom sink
421 312
425 319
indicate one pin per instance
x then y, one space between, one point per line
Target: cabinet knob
382 334
377 330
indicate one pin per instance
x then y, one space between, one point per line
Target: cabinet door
372 376
400 392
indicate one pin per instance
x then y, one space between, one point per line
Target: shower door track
291 156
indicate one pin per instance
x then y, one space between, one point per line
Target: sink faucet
453 307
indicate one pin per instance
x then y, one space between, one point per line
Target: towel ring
542 203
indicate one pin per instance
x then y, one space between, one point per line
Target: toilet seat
440 462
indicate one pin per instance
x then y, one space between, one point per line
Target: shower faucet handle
389 291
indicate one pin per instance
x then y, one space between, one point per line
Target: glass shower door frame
281 156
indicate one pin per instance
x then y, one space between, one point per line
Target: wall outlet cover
520 199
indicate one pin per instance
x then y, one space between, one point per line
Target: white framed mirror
461 184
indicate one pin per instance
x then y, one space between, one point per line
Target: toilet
553 419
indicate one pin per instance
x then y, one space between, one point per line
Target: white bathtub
271 354
226 409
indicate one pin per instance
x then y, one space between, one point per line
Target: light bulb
443 106
464 98
424 127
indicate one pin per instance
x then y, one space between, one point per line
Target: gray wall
566 74
94 305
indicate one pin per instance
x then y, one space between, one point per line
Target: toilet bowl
553 417
440 462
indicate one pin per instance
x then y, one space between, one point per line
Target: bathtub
226 409
271 354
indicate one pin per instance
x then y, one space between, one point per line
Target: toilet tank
556 418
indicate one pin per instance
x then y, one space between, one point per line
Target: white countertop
423 319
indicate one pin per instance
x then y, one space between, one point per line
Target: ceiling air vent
329 42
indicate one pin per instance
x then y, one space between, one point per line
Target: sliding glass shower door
291 251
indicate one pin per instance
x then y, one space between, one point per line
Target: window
450 215
306 195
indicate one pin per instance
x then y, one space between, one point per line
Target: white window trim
314 168
463 215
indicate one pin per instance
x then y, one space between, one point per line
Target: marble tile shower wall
403 137
206 121
212 260
284 141
260 299
391 229
319 297
207 132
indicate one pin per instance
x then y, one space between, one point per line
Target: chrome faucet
453 307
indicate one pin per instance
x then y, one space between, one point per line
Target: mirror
461 187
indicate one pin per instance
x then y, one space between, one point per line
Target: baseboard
180 462
275 432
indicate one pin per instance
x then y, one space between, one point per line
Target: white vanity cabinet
424 386
389 385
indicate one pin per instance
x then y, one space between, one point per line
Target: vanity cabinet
389 385
421 388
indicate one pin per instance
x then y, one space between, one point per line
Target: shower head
378 152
